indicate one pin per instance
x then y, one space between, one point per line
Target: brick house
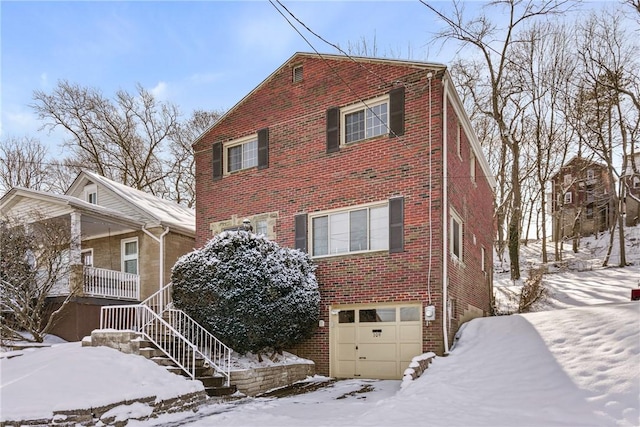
581 202
126 242
631 190
372 167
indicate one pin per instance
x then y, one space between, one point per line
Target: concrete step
220 391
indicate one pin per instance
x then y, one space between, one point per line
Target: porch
104 283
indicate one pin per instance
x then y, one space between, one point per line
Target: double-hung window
455 235
242 154
130 255
365 120
91 193
359 229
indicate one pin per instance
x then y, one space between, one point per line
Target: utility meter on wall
430 312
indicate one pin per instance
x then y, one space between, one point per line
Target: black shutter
301 232
396 112
333 129
263 148
396 224
216 151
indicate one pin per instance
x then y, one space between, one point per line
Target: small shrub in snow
533 292
248 291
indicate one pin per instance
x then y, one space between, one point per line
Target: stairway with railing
177 335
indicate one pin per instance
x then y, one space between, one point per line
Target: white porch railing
155 318
100 282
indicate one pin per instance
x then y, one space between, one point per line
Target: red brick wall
303 178
472 200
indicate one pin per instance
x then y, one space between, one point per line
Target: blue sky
195 54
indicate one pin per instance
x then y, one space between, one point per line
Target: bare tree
497 96
122 139
23 164
33 263
609 94
180 185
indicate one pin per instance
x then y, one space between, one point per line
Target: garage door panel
347 334
347 351
378 369
377 351
346 369
377 334
409 332
372 341
410 350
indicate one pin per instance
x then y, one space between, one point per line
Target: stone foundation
255 381
117 414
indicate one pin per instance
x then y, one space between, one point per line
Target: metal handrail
142 319
156 306
214 351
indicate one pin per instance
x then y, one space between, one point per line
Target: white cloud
160 90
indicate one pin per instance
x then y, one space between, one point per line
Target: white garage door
374 341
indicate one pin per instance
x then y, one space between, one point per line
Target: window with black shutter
333 129
396 224
216 164
301 232
396 112
263 148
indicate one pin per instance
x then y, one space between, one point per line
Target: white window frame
483 261
590 174
297 74
382 238
125 257
453 219
367 107
636 182
89 191
568 198
567 179
236 143
84 257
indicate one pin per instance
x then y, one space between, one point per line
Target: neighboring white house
127 242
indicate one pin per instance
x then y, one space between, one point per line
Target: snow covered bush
249 292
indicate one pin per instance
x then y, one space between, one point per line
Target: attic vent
297 74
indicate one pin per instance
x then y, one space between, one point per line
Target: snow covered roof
16 193
153 210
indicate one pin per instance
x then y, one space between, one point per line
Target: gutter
445 216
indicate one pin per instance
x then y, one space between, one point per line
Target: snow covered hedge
248 291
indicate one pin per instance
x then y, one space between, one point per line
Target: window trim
86 251
483 261
90 189
568 198
297 73
235 143
454 217
124 257
347 210
591 174
364 106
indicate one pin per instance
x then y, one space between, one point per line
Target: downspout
160 240
445 215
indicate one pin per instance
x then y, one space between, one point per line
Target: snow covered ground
576 363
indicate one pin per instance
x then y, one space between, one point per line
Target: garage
374 341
